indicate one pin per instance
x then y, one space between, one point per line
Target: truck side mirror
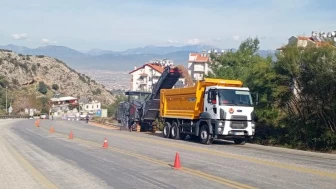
256 98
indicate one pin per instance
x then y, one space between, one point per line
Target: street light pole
6 99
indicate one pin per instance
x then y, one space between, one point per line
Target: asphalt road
33 157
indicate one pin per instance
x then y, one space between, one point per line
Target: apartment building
198 65
146 76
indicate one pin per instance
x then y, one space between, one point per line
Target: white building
144 77
198 65
91 106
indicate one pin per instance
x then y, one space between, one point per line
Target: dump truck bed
188 103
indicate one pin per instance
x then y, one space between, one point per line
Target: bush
96 92
33 68
15 81
55 87
42 88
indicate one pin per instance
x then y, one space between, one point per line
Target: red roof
199 58
153 66
303 38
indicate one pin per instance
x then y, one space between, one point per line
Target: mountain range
117 60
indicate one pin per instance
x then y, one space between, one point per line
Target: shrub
55 87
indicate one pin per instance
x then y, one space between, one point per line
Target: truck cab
231 108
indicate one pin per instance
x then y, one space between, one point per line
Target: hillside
24 73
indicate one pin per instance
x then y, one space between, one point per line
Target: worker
87 118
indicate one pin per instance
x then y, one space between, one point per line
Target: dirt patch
112 127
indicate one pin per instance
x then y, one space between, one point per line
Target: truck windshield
234 97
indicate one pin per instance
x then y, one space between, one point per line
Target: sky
122 24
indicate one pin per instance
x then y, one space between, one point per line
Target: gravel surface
12 174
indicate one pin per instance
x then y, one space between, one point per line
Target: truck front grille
238 122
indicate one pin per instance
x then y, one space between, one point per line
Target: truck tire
239 141
166 130
205 137
174 131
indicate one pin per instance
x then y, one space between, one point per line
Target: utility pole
6 100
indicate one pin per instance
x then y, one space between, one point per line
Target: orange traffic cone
105 145
71 135
177 164
52 129
37 123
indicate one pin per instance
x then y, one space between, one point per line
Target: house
317 40
91 107
145 77
60 105
198 65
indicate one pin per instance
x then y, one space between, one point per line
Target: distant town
112 80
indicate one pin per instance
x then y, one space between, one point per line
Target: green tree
43 105
307 82
55 87
33 68
236 65
255 72
3 84
42 88
112 109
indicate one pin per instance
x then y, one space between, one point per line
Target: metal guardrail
13 117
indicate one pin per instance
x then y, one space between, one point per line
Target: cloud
172 41
194 41
217 39
236 38
45 41
20 36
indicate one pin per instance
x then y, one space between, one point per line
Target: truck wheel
205 137
166 130
239 141
174 132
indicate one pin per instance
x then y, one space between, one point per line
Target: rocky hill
22 72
